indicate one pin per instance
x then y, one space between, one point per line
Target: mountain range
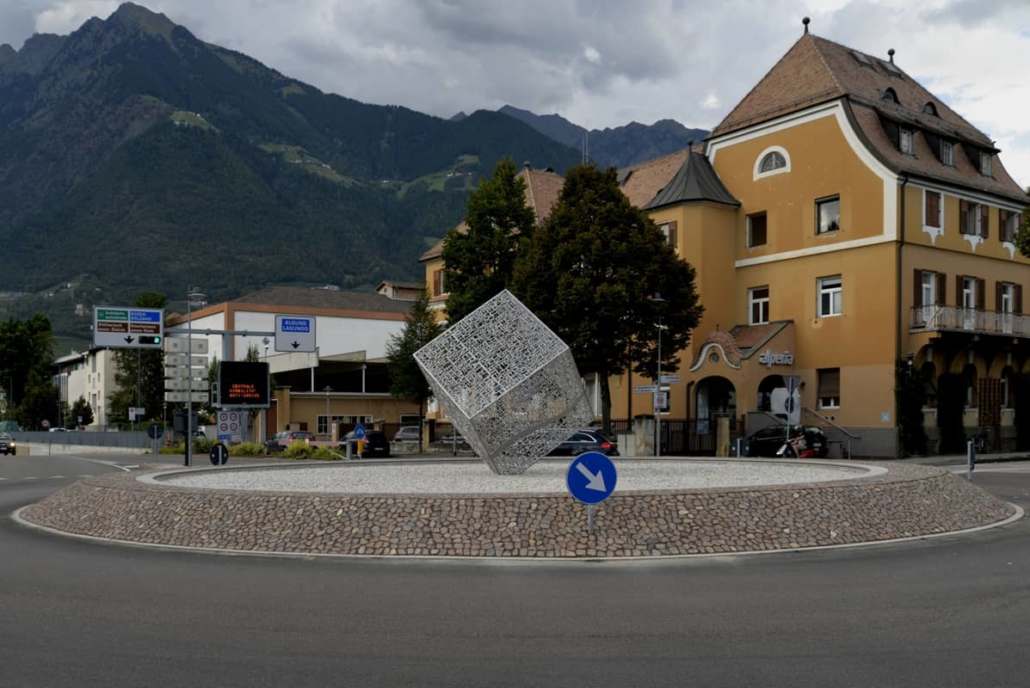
616 146
135 156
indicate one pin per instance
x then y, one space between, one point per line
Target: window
1009 222
828 214
830 296
930 109
829 388
323 423
438 283
756 230
907 141
773 160
928 288
932 209
758 298
968 292
1006 297
985 164
890 95
948 153
973 219
669 230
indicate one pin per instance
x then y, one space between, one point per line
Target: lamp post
193 296
658 301
328 418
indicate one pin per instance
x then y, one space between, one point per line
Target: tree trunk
606 404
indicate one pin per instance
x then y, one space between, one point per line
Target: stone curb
17 517
905 502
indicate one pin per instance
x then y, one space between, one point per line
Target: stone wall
906 501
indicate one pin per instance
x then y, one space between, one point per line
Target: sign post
359 437
591 479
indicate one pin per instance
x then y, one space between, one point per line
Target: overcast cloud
598 62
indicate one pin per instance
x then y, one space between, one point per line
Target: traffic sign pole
591 479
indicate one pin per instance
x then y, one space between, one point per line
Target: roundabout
662 508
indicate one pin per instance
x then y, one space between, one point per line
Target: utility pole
659 301
139 373
190 296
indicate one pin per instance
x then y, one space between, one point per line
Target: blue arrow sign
359 432
591 477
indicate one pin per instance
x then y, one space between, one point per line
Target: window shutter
933 209
1018 298
963 217
958 290
998 286
981 296
829 382
917 289
674 235
1003 219
985 216
437 282
934 141
942 289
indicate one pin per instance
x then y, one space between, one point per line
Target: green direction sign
128 328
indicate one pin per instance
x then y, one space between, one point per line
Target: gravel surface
545 477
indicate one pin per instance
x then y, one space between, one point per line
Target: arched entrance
765 390
715 398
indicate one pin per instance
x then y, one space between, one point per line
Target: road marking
56 477
29 477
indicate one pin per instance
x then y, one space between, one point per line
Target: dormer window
985 164
890 95
948 153
930 109
906 141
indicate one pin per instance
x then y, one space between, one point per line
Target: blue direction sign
359 432
295 333
591 477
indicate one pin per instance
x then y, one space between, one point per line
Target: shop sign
770 358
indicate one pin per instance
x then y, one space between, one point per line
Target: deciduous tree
139 375
591 272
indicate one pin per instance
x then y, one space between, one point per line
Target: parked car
376 443
8 445
585 441
806 442
451 440
58 429
286 438
407 433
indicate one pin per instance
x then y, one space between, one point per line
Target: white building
90 375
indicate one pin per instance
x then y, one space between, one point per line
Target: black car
376 444
806 442
585 441
8 445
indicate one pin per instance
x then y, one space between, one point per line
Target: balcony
972 320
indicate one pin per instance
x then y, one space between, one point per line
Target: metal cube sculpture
507 382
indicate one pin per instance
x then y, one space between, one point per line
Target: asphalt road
944 612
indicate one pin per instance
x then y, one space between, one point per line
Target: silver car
407 433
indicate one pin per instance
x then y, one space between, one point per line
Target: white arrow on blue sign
295 333
359 432
591 477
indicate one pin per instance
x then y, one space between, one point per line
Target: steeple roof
694 181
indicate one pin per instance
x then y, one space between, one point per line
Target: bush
302 451
326 454
247 449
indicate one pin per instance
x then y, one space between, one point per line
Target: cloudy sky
598 62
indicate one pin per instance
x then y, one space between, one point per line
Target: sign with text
128 328
295 333
243 384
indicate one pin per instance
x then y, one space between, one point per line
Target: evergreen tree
1023 235
139 375
591 272
406 378
480 261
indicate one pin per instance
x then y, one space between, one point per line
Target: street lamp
658 301
193 296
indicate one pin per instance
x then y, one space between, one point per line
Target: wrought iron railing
957 319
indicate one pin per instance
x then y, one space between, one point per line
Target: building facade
842 220
89 375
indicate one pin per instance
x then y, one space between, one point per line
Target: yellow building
841 218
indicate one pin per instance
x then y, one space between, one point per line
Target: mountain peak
138 16
7 54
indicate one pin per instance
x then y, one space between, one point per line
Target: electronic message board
243 384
